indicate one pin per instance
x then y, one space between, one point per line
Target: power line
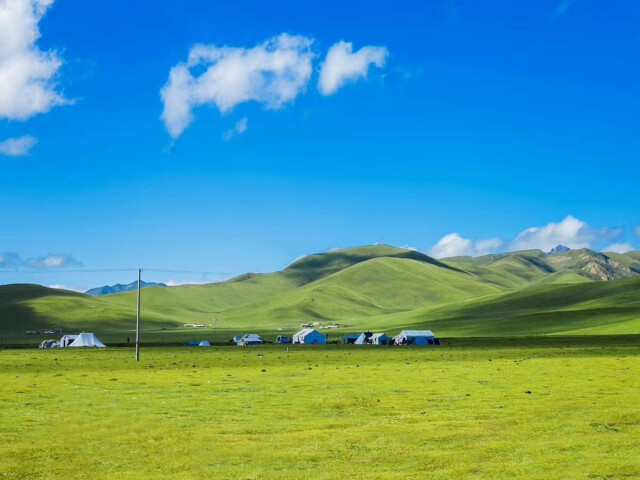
112 270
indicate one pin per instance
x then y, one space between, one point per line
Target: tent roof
87 340
252 336
378 335
306 331
416 333
204 343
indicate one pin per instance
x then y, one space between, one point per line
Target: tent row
405 337
83 339
311 336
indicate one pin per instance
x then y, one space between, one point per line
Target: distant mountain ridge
367 288
120 287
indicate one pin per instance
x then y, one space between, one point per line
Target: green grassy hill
375 287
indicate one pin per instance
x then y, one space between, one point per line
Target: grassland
367 288
501 409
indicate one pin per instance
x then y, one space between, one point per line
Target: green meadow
488 408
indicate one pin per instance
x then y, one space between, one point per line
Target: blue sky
509 124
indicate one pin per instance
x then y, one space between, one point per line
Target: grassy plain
518 408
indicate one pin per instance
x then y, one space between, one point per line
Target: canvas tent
87 340
66 340
363 339
380 339
309 336
250 339
415 337
204 343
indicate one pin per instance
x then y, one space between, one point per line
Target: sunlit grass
522 411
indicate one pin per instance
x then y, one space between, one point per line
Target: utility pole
138 320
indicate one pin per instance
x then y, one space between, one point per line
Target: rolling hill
373 287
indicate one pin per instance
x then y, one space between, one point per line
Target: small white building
309 336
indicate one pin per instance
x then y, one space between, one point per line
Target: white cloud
454 245
272 73
27 74
619 248
53 261
17 147
341 65
570 232
409 247
238 129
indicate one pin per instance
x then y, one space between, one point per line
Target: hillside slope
374 287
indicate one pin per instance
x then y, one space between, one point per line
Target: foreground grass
511 411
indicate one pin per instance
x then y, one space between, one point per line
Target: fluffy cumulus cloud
17 147
342 65
238 129
272 73
27 74
570 232
619 248
454 245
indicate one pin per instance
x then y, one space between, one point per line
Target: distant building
415 337
309 336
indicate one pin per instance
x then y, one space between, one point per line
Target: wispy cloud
238 129
341 65
272 73
17 147
10 260
13 260
27 74
53 261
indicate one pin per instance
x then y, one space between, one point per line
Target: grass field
510 408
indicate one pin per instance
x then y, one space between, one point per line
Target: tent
415 337
363 339
381 339
67 340
87 340
250 339
204 343
309 336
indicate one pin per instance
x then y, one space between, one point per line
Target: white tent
309 336
204 343
66 340
87 340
